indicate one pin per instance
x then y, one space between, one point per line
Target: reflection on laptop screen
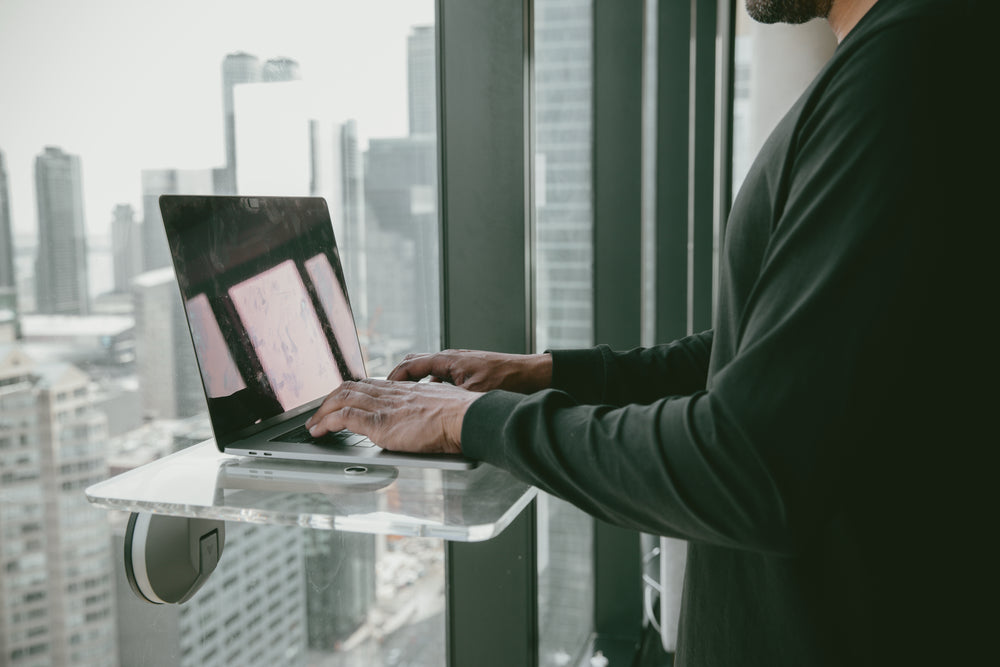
264 292
218 370
337 310
286 335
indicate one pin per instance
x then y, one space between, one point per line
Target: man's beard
787 11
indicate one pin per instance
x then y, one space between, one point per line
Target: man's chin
787 11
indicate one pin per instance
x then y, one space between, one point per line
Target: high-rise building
61 265
24 611
168 373
563 224
247 616
155 182
352 238
72 435
402 232
401 221
280 69
421 68
237 68
6 233
57 603
126 247
8 282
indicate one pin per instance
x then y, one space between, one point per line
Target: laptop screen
267 307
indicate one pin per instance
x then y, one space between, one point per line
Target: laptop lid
267 306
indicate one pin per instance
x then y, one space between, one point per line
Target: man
822 448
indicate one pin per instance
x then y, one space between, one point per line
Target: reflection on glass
337 310
286 335
218 370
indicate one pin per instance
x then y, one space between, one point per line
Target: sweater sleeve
642 375
759 457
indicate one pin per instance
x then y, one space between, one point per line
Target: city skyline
153 105
383 184
68 416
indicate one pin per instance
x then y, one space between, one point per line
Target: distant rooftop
155 277
65 326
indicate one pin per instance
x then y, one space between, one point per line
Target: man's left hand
423 417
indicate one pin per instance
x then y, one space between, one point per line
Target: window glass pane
106 105
313 597
563 147
564 294
773 64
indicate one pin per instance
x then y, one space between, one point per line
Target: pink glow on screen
286 334
338 311
218 370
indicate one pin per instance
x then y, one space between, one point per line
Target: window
563 131
766 81
106 106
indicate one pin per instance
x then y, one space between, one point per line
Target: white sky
137 84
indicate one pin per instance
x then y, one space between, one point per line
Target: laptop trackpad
335 438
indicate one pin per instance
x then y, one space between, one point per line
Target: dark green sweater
819 449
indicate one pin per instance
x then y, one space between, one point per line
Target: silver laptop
271 323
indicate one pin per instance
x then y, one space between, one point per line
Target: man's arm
597 375
642 375
828 374
822 375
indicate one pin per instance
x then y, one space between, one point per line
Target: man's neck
845 14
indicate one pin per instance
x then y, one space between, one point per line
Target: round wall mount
168 558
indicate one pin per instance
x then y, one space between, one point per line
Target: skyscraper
8 281
155 182
57 603
168 373
402 232
401 220
23 605
563 224
353 237
126 246
280 69
421 66
246 616
237 68
6 233
61 265
81 601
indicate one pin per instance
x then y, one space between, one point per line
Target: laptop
271 323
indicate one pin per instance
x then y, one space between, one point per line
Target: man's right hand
479 371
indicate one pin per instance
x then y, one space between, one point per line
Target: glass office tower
61 265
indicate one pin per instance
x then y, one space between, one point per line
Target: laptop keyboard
340 438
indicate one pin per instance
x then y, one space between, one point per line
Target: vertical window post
484 95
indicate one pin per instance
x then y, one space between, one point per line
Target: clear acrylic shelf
465 506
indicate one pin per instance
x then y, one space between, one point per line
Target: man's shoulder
899 66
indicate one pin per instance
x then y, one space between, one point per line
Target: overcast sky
136 84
